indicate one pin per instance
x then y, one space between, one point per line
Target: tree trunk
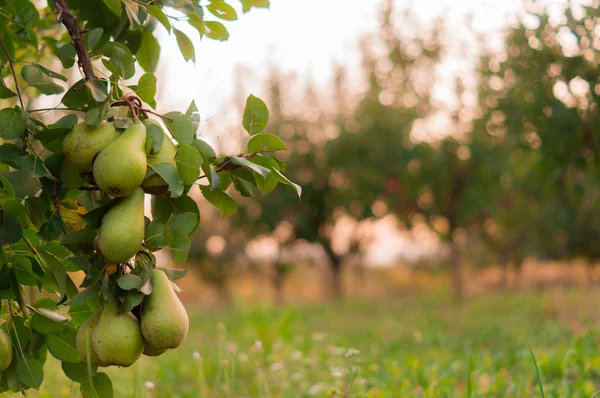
224 294
457 272
277 280
336 275
335 264
505 266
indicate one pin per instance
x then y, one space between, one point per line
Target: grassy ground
418 347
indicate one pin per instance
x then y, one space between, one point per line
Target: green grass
418 347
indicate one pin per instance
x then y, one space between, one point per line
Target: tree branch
12 68
65 16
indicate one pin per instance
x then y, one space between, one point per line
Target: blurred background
441 146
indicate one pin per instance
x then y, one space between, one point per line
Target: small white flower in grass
196 356
297 376
242 357
351 352
317 389
296 355
149 386
257 346
336 371
336 351
276 366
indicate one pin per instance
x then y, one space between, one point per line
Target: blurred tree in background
513 173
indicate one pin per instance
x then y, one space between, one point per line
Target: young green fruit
152 351
155 184
164 320
6 353
117 338
122 230
85 141
121 167
84 341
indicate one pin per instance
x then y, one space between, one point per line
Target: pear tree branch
64 15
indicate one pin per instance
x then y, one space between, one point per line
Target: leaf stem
12 68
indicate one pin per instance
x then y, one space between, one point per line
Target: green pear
122 230
121 167
117 338
6 353
155 184
84 341
85 141
164 320
152 351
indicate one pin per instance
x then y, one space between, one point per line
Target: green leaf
188 161
5 92
100 387
220 200
10 229
12 123
51 229
173 273
58 271
222 10
26 11
92 38
265 143
38 77
90 293
97 89
194 115
204 149
248 4
158 13
133 298
149 52
62 345
30 371
114 6
66 54
180 127
263 171
77 96
171 177
49 314
256 115
155 235
120 58
283 179
185 45
129 282
157 135
77 372
146 88
216 30
182 226
196 22
45 325
180 250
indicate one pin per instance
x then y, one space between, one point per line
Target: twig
65 16
12 68
156 114
57 109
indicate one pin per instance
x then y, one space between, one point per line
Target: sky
305 37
